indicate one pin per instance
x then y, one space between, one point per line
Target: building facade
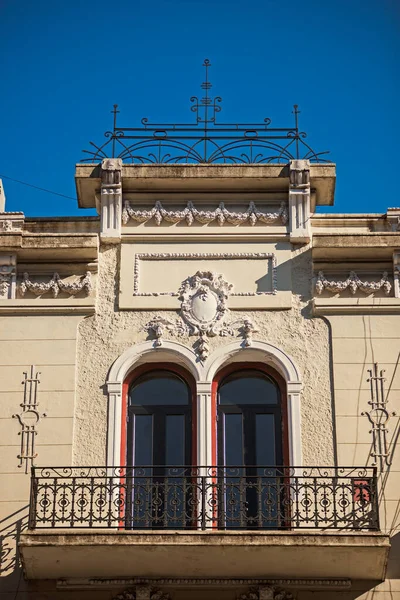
199 389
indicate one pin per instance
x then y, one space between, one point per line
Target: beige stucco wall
74 355
359 341
105 336
49 343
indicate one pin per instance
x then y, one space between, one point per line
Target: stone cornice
361 306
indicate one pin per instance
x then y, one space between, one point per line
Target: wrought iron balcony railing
220 498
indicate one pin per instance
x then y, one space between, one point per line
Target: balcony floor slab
61 553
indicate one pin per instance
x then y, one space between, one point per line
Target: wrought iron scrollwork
378 415
206 140
224 498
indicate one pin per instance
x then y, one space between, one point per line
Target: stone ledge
362 306
44 306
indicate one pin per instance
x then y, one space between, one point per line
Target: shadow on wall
10 567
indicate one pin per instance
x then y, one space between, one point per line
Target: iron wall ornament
29 418
378 416
204 313
206 140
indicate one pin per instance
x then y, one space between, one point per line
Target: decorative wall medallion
29 417
204 313
56 285
266 592
190 214
168 256
142 592
204 297
354 283
378 416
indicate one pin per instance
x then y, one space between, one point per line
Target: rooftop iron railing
220 498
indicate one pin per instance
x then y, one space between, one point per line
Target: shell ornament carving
204 313
266 592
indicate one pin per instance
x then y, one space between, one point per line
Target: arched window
251 448
159 448
159 420
250 427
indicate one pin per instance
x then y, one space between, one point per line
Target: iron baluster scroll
206 140
378 416
29 418
224 498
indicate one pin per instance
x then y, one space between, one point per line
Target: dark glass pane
265 439
175 440
248 387
159 388
233 439
143 440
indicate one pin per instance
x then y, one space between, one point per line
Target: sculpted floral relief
56 285
353 283
190 214
204 313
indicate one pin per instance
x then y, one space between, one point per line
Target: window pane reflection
159 388
248 387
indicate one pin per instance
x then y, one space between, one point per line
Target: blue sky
64 64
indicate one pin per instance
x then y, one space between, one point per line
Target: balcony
204 522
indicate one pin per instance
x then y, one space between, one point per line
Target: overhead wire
37 187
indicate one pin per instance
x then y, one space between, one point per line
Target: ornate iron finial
205 141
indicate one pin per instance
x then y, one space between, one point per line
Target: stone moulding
190 214
56 285
353 283
99 583
204 255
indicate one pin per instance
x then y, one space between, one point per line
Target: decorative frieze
8 275
29 418
204 313
190 214
56 285
353 283
155 256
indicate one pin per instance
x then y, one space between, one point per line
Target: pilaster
204 424
114 391
299 201
8 276
396 273
111 200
